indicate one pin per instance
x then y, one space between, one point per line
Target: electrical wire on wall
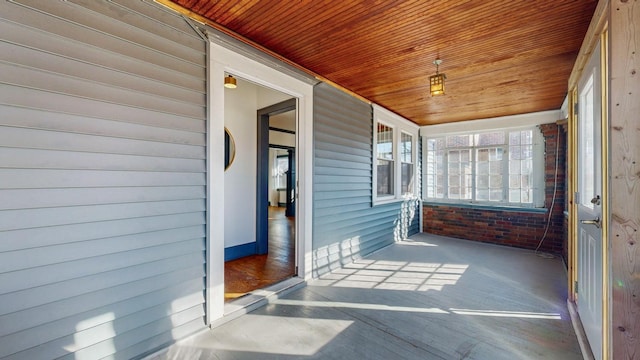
553 199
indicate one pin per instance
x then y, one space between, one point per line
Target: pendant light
436 82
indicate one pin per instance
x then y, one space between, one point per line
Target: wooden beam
624 106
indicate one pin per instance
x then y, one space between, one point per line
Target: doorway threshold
258 298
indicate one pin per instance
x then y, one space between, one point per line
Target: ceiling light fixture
230 82
436 82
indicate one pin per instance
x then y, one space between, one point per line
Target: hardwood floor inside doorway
258 271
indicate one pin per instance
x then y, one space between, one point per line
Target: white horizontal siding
102 179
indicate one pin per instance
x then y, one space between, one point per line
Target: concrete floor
430 297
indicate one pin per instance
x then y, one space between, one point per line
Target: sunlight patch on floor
508 314
394 275
383 307
274 342
363 306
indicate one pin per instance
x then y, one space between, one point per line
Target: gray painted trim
262 193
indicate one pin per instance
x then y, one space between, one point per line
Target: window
385 166
495 167
406 166
282 167
395 157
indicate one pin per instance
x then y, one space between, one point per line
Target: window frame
538 184
392 160
412 183
400 126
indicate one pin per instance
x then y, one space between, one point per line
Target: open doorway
260 241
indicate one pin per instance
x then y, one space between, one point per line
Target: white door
589 202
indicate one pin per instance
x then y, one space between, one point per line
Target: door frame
589 236
598 32
262 191
223 59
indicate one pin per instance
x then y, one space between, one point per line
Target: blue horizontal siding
346 224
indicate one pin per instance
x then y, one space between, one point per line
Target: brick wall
505 226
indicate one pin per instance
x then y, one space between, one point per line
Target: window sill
391 200
487 207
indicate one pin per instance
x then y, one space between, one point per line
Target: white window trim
399 125
506 123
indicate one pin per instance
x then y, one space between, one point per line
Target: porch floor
429 297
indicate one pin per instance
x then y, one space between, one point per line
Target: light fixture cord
555 188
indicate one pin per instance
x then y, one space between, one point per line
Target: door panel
588 200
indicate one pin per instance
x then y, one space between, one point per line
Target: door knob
595 222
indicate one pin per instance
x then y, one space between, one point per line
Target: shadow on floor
429 297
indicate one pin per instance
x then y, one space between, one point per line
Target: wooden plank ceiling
501 57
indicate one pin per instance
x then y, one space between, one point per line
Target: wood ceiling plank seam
206 8
392 56
480 83
257 12
221 6
209 5
333 30
336 46
408 77
286 39
274 20
198 6
387 61
274 34
403 35
314 42
497 41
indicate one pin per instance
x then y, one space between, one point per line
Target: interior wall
240 106
267 97
282 138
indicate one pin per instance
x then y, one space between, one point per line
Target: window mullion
505 172
445 166
397 162
473 174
